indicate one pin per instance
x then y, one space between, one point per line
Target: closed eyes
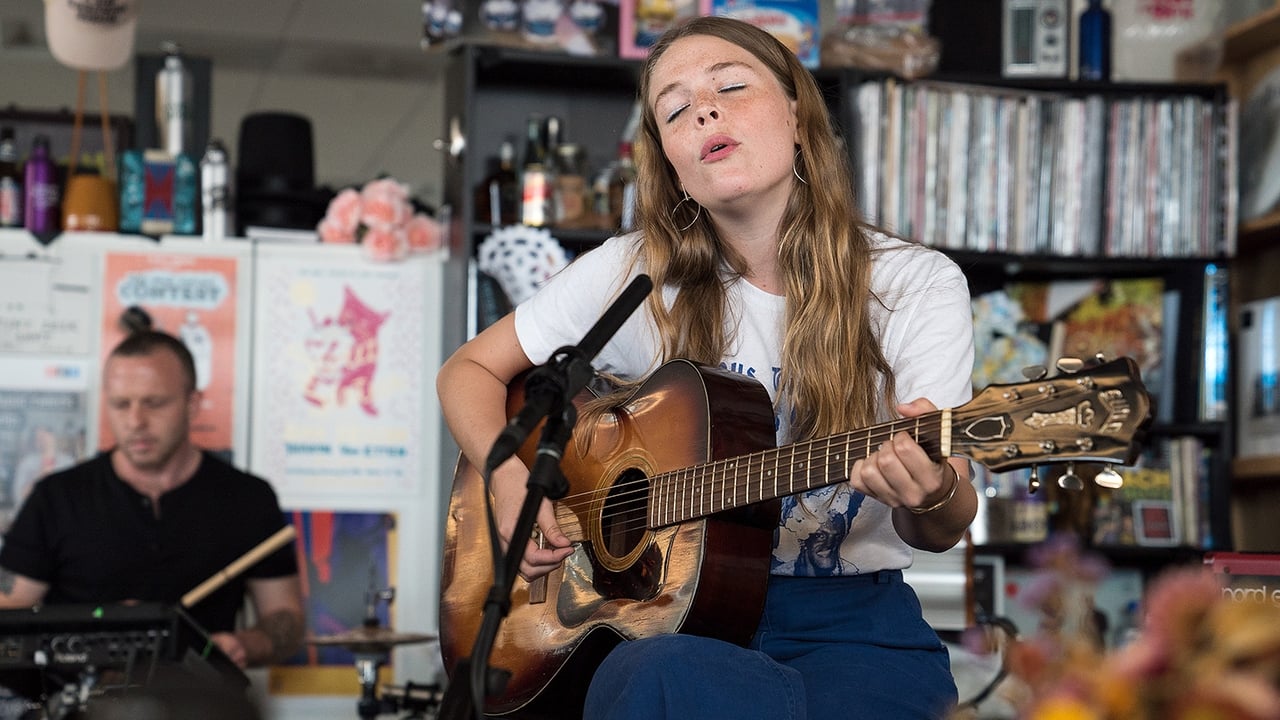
727 88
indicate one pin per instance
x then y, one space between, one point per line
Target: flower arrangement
382 220
1199 654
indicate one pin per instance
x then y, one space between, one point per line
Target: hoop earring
795 171
696 214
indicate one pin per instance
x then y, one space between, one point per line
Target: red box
1247 576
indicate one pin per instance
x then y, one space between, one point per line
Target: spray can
215 194
173 102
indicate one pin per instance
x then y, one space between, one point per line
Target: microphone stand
549 393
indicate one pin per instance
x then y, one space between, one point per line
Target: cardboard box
642 22
1247 576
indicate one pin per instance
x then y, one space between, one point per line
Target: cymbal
369 639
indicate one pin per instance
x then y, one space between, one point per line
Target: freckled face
727 126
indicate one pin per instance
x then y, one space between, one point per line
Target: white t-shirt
925 325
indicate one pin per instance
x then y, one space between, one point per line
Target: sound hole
622 523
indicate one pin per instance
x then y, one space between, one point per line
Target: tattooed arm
20 591
279 629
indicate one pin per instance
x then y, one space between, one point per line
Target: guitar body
626 580
673 502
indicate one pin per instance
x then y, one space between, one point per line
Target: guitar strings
630 499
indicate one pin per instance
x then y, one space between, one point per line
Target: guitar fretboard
702 490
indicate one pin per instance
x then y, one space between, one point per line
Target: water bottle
1095 43
173 103
40 187
215 196
10 181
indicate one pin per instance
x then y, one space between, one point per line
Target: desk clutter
158 172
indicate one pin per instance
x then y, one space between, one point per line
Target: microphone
566 373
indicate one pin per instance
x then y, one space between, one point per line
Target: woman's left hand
899 473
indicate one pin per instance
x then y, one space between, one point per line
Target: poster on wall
46 305
338 398
345 562
43 424
194 298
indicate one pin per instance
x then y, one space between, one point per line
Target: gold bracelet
955 483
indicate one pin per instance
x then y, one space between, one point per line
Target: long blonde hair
832 364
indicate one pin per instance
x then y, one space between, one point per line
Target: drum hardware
372 644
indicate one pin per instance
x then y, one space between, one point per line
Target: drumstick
271 544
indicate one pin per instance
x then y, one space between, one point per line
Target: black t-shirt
94 539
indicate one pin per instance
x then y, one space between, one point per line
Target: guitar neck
702 490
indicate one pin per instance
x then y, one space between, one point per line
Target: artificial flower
1200 654
380 217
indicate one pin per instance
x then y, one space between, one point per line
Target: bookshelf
494 88
1250 51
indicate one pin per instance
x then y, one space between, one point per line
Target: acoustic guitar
674 496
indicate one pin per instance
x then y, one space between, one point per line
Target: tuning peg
1069 480
1069 365
1033 483
1034 372
1109 478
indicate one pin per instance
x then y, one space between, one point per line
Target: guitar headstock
1090 415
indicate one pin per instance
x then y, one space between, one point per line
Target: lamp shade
91 34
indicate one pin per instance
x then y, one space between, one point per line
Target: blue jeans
844 647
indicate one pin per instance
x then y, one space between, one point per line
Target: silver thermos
215 192
173 103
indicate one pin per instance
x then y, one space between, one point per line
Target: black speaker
275 173
275 153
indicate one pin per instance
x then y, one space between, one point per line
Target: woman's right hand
509 485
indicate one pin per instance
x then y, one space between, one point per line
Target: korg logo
66 372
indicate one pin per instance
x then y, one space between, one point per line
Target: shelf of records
1119 173
1164 502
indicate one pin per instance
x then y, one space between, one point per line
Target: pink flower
424 233
380 217
344 211
334 233
386 202
385 244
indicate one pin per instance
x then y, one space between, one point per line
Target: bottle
215 195
497 196
1129 627
622 182
552 135
571 184
622 189
10 181
1095 43
173 103
40 186
535 177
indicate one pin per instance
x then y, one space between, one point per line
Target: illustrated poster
193 298
339 374
344 560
